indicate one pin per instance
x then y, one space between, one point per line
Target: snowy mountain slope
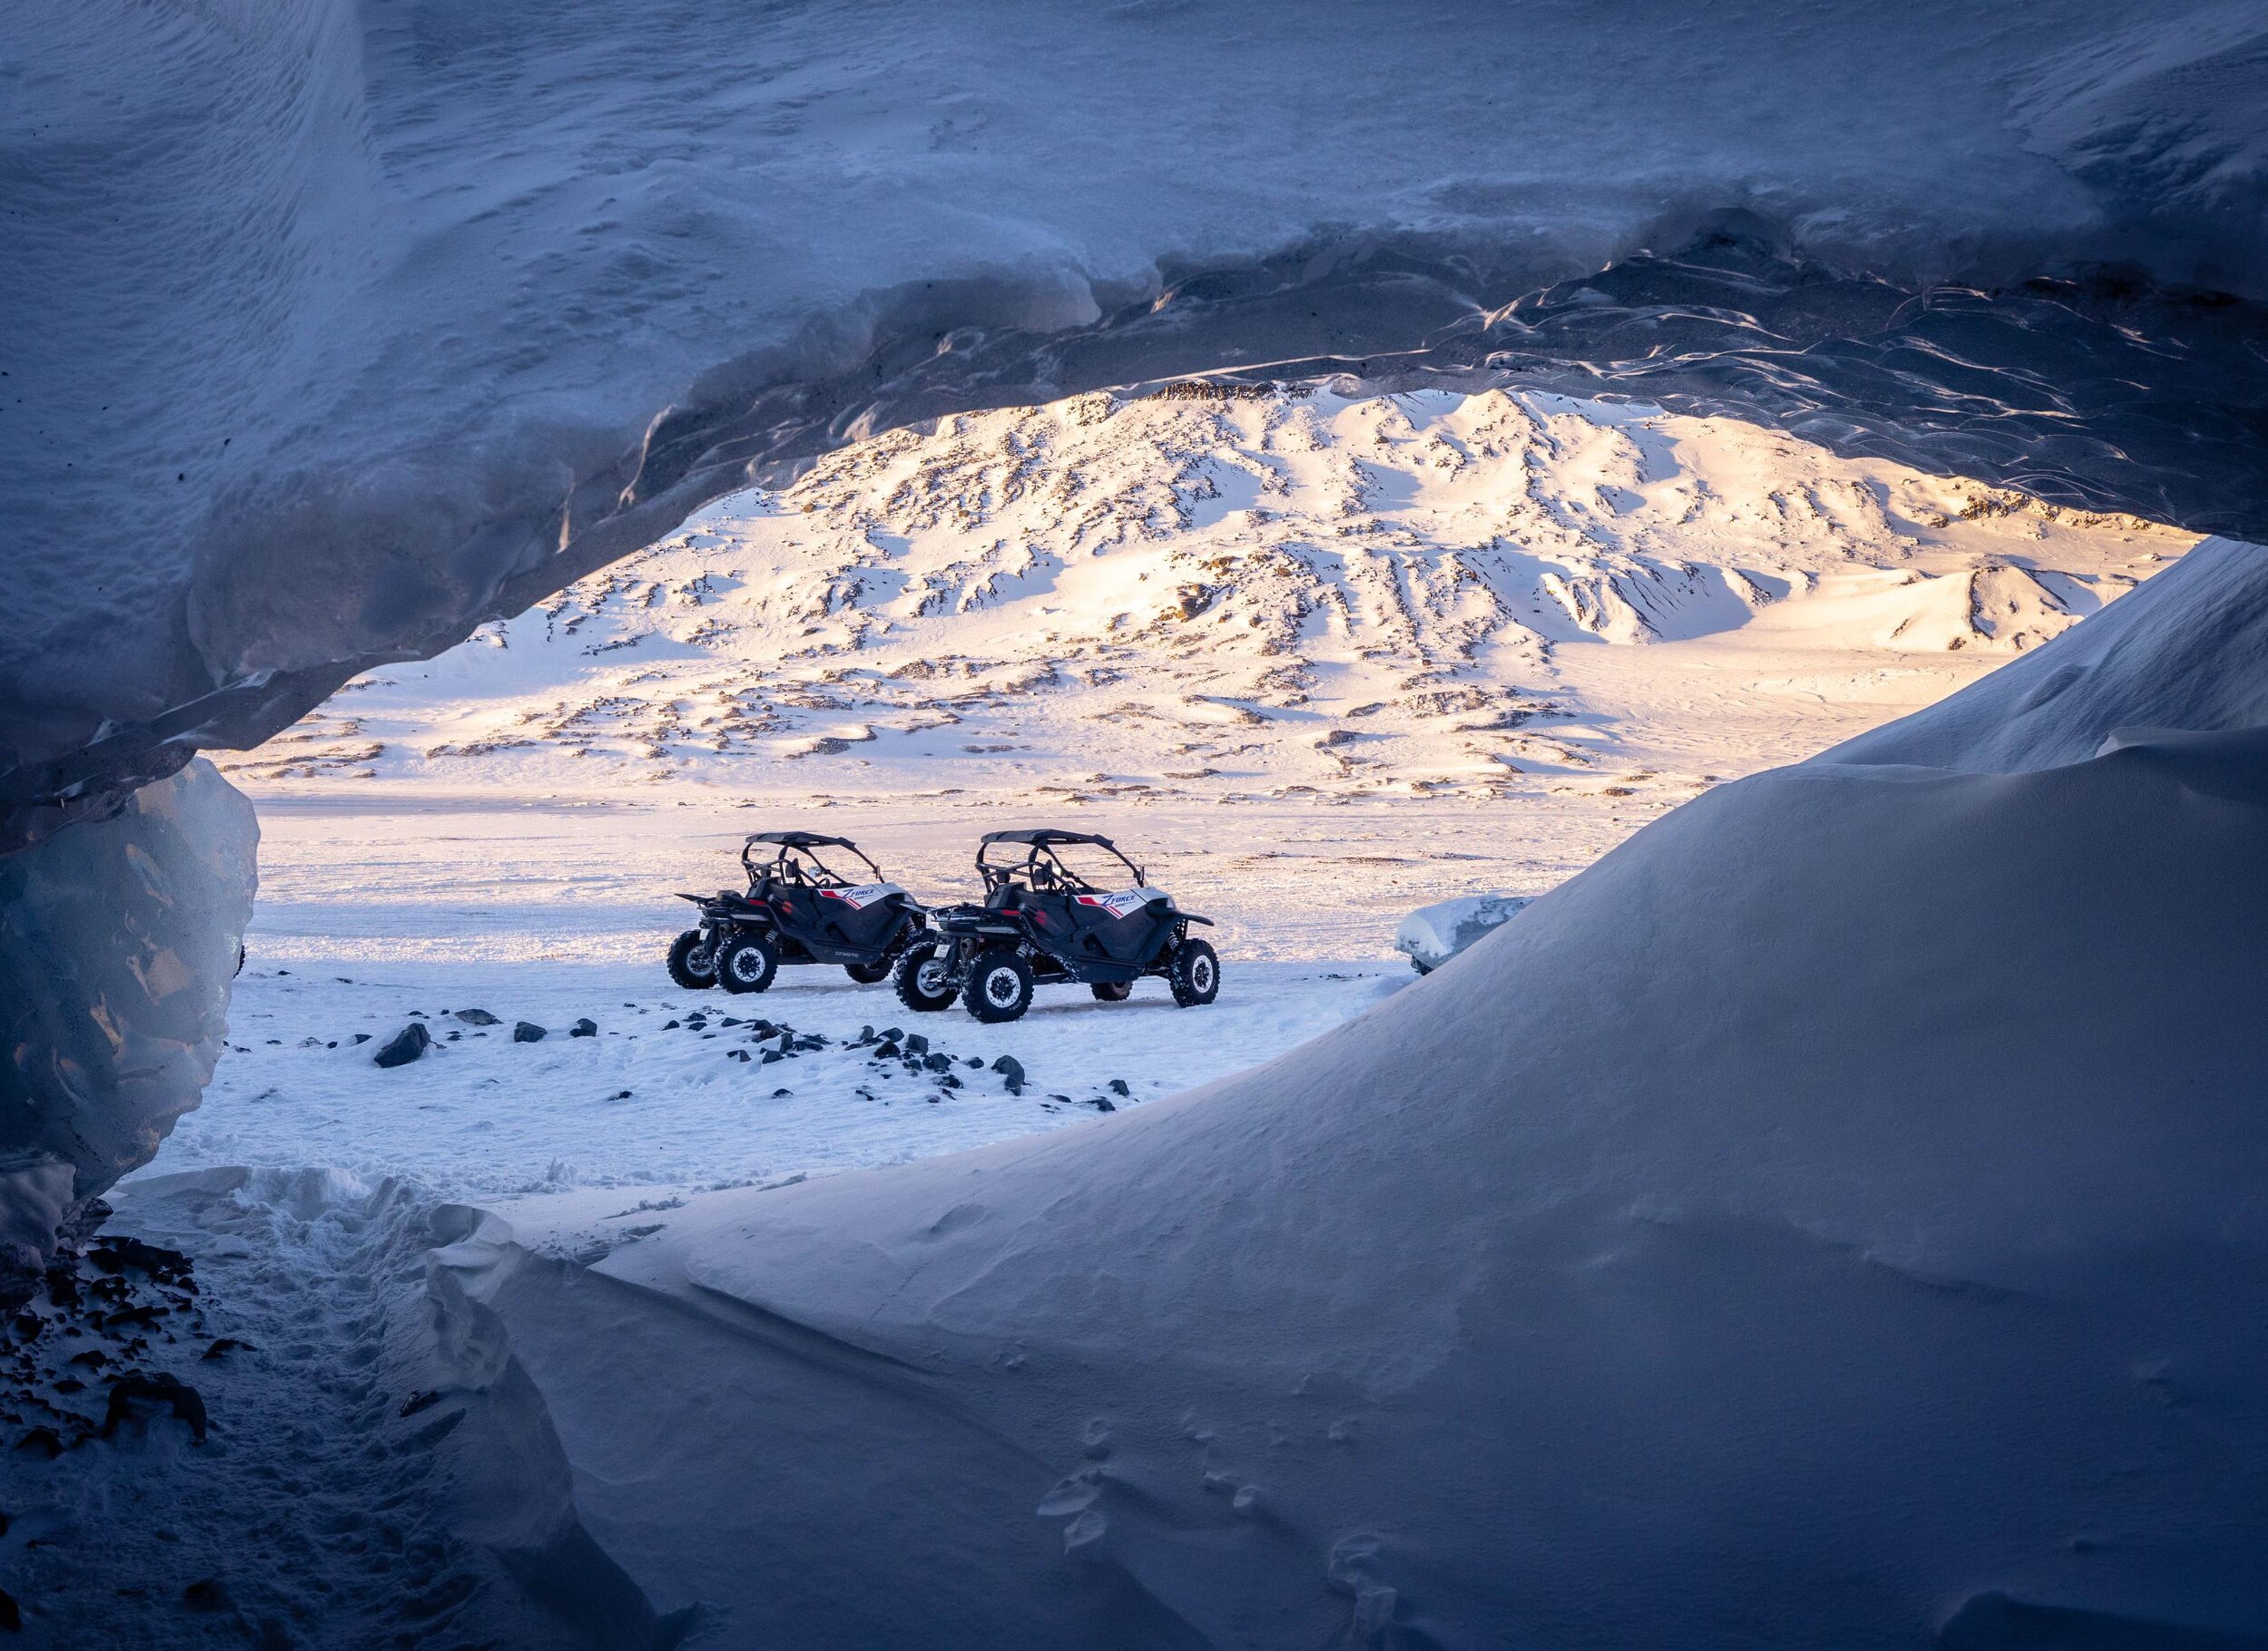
1833 1219
2193 655
1212 595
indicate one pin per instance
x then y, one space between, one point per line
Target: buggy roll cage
1041 866
794 848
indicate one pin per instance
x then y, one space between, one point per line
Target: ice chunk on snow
1433 935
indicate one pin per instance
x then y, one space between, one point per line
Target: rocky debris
1011 1069
41 1442
404 1046
526 1032
417 1402
583 1028
362 1037
477 1017
1117 1086
227 1345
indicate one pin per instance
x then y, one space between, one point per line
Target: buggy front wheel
1194 973
693 961
747 963
922 985
1113 991
999 986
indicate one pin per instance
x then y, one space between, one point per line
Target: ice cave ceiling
337 332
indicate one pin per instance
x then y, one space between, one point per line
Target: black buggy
798 909
1045 918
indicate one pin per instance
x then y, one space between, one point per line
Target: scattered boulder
583 1028
1117 1086
404 1046
477 1017
41 1442
417 1402
227 1345
526 1032
362 1037
916 1044
1013 1070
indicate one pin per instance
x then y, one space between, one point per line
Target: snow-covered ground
692 1091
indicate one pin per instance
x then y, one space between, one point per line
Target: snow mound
1833 1217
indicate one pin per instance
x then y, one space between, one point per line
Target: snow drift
333 333
1833 1219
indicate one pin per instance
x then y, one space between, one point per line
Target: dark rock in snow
417 1402
1117 1086
777 1093
583 1028
916 1044
43 1442
771 1055
667 1026
205 1594
1009 1067
116 1254
477 1017
188 1404
404 1046
526 1032
11 1614
362 1037
1102 1104
976 1061
228 1345
936 1063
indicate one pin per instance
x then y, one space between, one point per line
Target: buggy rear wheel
869 973
1113 991
693 961
999 986
1194 973
747 963
922 985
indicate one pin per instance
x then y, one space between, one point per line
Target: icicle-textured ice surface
1836 1218
333 330
120 942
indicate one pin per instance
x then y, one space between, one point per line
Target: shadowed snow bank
1831 1218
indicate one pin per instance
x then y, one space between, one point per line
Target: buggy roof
1042 837
804 840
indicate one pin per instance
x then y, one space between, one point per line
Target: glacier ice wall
335 329
120 940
